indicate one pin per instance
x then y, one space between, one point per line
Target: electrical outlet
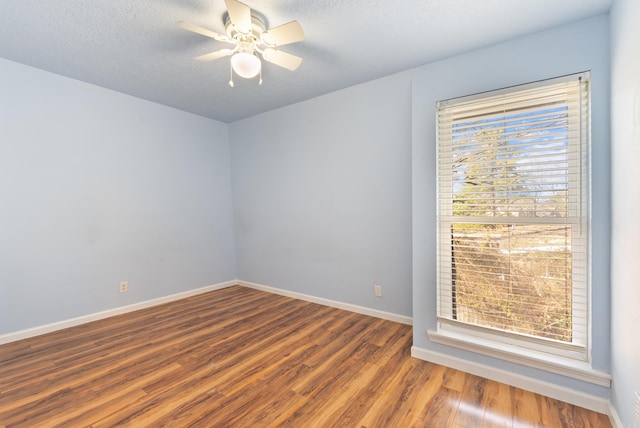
377 290
637 405
124 286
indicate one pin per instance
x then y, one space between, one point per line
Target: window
513 216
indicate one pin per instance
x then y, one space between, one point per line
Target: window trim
581 370
561 357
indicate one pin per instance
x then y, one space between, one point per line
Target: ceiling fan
251 40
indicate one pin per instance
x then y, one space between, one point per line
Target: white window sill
565 366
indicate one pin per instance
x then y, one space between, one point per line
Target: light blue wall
625 141
564 50
330 196
322 193
98 187
321 188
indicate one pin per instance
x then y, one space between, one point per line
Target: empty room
241 213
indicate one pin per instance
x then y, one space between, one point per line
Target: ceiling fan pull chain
230 76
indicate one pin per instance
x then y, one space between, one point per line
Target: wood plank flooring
238 357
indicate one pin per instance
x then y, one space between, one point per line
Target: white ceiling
134 46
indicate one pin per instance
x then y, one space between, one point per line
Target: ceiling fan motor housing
257 28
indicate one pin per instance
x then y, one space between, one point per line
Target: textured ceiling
134 46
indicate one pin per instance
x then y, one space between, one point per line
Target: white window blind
513 214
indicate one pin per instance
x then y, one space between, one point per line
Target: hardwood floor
238 357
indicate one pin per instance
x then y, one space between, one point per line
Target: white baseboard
614 417
571 396
60 325
48 328
333 303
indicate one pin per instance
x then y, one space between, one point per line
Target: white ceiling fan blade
284 34
240 15
203 31
283 59
215 55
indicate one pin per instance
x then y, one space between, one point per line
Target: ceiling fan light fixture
246 65
253 42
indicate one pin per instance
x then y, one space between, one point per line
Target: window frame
501 343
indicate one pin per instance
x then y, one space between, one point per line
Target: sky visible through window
522 155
